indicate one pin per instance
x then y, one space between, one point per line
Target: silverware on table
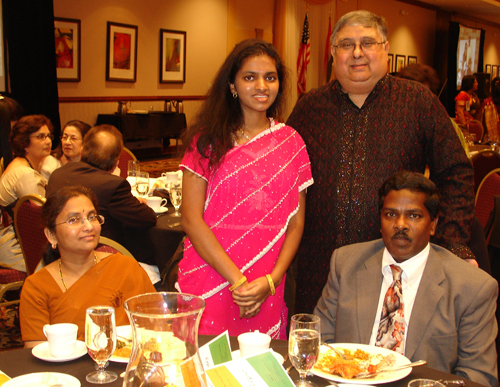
342 356
370 374
174 224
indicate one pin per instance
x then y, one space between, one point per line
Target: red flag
328 51
304 58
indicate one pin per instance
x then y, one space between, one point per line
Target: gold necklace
60 270
241 131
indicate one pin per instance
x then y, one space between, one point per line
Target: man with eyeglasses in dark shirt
360 129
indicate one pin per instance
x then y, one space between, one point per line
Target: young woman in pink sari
244 193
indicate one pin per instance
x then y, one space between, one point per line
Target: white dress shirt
413 269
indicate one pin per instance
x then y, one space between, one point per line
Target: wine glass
303 346
176 199
133 169
100 338
142 183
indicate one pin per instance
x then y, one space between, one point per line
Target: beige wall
205 22
213 28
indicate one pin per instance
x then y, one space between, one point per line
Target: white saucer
281 360
37 378
41 351
162 210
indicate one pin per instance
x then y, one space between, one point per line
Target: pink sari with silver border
250 198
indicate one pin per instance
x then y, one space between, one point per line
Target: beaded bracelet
237 284
271 284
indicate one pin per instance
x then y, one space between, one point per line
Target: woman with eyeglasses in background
30 140
69 149
76 276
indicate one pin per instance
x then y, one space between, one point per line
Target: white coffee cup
61 338
155 202
171 176
252 343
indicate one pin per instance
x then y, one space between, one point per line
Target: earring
54 246
235 95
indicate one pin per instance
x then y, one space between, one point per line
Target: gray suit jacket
452 325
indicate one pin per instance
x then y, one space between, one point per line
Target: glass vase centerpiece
164 339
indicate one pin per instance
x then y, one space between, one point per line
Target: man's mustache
401 234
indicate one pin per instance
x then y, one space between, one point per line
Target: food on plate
123 349
358 362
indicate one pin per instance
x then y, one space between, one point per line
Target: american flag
304 58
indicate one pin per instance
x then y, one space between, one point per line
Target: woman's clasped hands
251 295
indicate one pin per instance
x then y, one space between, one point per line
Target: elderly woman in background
70 148
76 276
31 140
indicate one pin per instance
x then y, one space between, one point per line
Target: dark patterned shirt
401 126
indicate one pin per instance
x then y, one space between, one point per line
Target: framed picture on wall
390 63
67 36
494 72
400 62
172 56
412 59
121 52
487 69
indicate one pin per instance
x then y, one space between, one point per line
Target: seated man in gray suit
416 298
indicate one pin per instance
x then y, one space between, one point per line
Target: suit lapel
428 295
369 282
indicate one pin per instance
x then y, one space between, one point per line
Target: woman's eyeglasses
75 221
70 138
43 136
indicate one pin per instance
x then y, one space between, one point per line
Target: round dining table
21 361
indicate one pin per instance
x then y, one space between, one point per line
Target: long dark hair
221 115
53 207
10 110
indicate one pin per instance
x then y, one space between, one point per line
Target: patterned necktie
391 331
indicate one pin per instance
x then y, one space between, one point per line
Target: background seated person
489 112
30 141
69 149
466 104
444 311
76 276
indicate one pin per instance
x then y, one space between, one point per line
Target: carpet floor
156 167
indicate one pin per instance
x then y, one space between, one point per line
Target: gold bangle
271 284
237 284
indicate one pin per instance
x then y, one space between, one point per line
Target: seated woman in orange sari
76 276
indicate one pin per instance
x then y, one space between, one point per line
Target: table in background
21 361
159 126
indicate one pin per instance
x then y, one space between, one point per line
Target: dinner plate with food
123 344
360 360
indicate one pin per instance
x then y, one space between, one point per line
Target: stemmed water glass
142 183
176 199
100 338
304 345
133 169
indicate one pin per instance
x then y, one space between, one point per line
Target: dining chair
29 231
483 163
110 246
485 196
125 156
